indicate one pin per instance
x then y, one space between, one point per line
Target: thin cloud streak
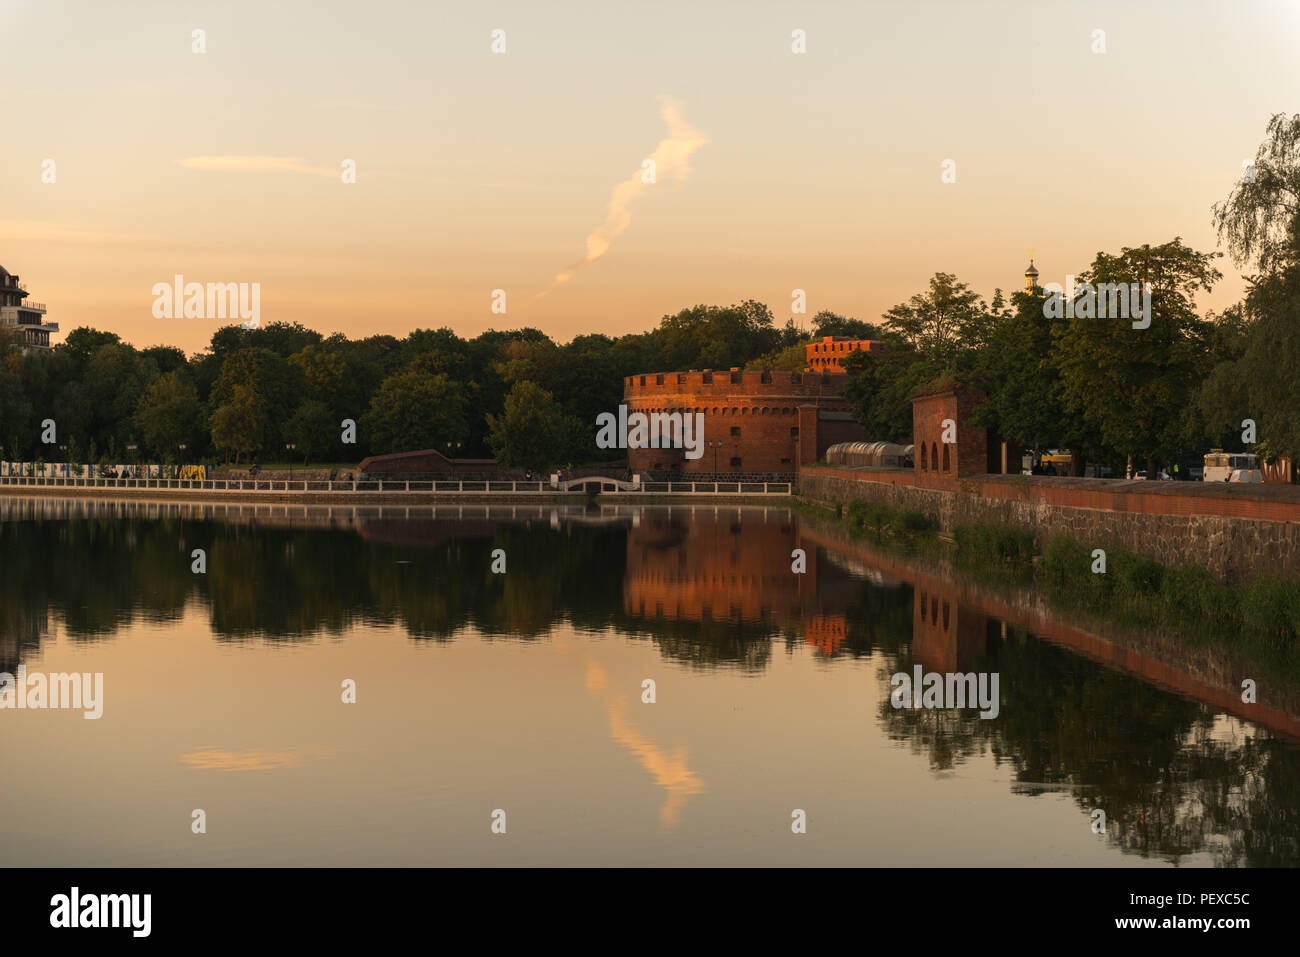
671 157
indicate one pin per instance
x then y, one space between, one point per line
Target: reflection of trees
1146 757
1143 755
284 583
98 573
707 644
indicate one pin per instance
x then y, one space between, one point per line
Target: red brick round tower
754 422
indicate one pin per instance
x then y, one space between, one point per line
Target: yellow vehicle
1062 462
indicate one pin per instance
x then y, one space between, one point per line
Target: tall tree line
1112 393
1054 377
517 395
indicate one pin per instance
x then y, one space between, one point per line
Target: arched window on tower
925 459
945 456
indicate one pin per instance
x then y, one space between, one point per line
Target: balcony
22 315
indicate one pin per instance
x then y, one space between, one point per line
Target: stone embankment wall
1235 532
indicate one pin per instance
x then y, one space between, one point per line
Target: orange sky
479 171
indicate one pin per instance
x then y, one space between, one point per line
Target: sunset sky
478 171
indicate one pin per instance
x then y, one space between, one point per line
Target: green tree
1259 223
275 385
1022 382
533 431
1133 387
1224 395
113 380
827 323
312 428
880 387
239 423
716 337
1270 364
942 322
168 415
323 369
792 358
15 414
1257 220
413 410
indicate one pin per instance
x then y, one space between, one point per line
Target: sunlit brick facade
827 353
754 422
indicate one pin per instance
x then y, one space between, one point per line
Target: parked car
1247 476
1161 476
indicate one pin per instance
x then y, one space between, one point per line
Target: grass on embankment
895 527
1261 616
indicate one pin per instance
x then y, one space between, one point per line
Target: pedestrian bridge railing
578 486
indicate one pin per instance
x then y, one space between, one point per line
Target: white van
1220 465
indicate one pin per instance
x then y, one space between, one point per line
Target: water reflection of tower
826 633
946 635
730 566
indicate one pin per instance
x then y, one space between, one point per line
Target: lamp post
715 444
289 447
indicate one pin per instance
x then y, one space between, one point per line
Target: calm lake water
523 692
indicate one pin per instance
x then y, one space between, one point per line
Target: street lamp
715 444
289 447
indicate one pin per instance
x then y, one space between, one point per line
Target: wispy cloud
671 158
40 232
670 769
288 164
252 759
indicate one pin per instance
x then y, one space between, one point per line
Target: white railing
402 487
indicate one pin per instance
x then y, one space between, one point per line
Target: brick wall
827 353
1236 532
758 417
940 464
